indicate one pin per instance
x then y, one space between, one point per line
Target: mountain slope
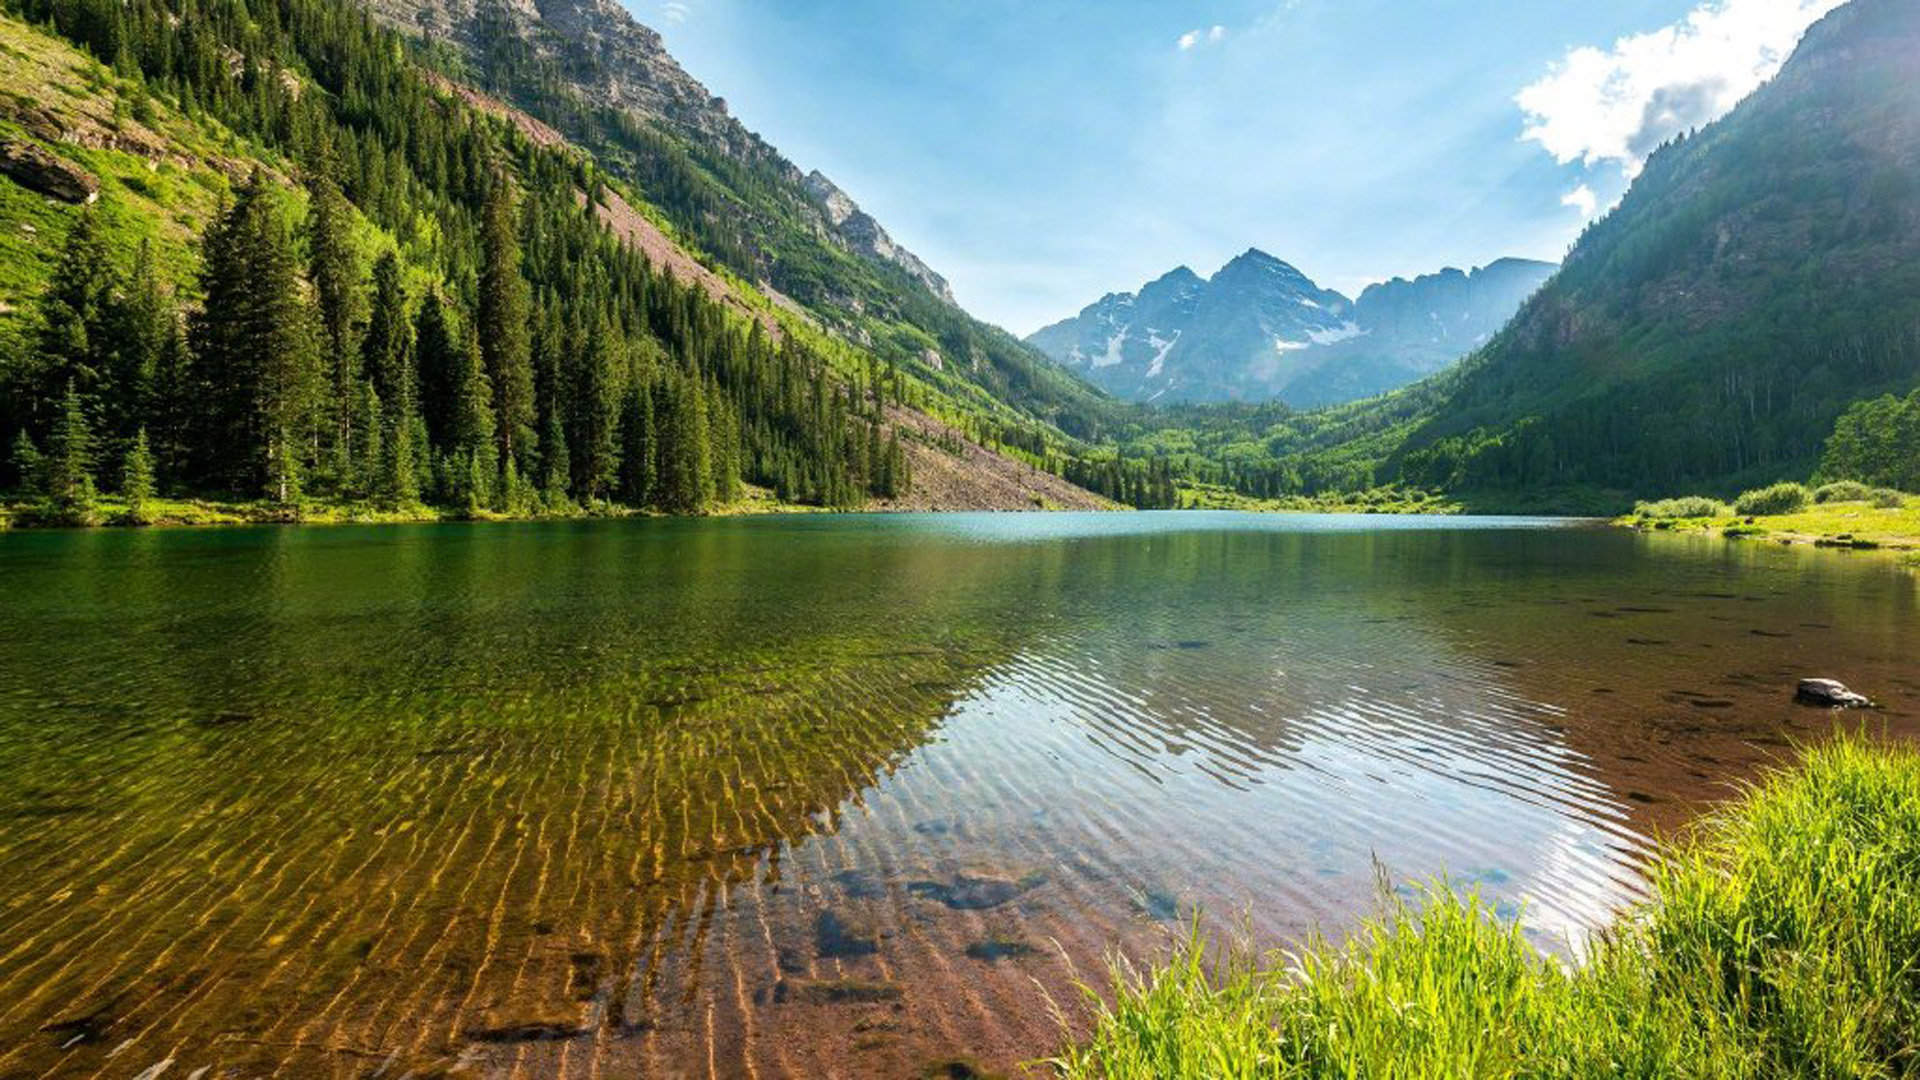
1758 277
1261 330
587 69
396 213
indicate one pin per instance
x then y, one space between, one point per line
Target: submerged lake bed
834 795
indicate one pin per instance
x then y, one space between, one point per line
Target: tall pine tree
502 326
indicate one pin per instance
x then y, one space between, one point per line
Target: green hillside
1759 277
279 249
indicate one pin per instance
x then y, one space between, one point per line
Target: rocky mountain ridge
615 61
1260 329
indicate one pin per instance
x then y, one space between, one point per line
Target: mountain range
1761 275
1259 329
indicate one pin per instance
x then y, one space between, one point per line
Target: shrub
1888 499
1686 506
1842 491
1787 498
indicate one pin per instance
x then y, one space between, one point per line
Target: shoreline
1843 526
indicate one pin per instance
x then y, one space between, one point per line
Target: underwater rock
833 939
833 992
965 892
530 1031
999 949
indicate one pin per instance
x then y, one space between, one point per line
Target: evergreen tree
70 485
366 476
472 435
29 465
684 475
559 463
723 440
504 311
443 373
386 352
136 485
400 482
254 352
637 446
71 337
595 415
334 268
139 322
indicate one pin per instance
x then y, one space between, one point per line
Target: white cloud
1212 35
1582 199
675 12
1617 105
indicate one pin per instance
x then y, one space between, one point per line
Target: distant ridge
1259 329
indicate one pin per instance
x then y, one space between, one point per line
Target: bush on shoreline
1686 506
1780 941
1842 491
1785 498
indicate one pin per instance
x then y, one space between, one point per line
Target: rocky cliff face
1260 329
613 61
865 236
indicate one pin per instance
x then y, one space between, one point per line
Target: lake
833 795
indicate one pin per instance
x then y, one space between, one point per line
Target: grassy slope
1781 941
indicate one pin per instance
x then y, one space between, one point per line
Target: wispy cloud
1582 199
1614 106
675 12
1212 35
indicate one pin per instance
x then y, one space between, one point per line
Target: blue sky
1043 153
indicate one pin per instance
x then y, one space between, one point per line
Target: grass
1869 522
1781 940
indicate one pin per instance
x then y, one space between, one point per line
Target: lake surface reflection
828 796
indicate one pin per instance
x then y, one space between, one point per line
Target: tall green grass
1782 940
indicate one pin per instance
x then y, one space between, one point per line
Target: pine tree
400 483
254 351
471 434
29 465
504 310
685 466
386 352
70 485
138 322
443 373
559 464
723 440
595 424
334 268
365 477
136 485
74 310
636 446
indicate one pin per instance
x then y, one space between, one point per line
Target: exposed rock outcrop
36 168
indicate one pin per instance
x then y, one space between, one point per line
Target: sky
1043 153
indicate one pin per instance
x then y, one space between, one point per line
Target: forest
404 301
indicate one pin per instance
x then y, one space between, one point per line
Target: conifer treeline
503 352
